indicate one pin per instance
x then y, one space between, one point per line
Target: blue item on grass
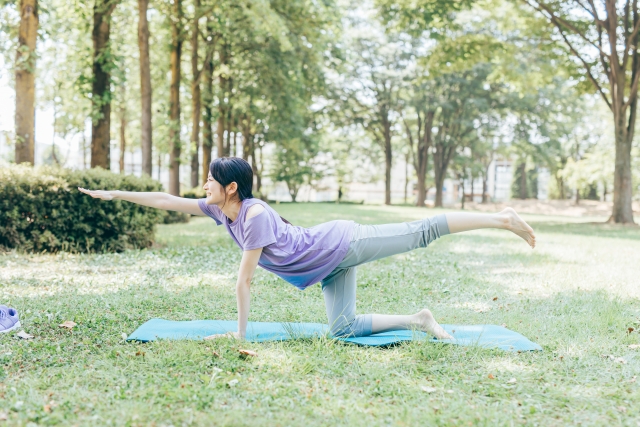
9 319
487 336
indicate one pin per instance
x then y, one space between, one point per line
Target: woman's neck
231 209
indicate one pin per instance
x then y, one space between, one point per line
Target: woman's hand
98 194
235 335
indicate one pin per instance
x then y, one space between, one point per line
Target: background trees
603 36
447 87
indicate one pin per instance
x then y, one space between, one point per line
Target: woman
327 253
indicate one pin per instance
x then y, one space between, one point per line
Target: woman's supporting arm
243 296
152 199
247 269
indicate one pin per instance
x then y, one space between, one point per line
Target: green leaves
41 210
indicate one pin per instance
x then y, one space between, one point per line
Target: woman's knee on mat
358 326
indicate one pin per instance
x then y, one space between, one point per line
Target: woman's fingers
96 194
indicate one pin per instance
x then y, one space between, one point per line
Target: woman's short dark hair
226 170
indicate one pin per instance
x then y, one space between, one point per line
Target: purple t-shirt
301 256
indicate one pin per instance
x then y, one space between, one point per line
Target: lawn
577 295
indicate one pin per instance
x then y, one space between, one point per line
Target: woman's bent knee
360 326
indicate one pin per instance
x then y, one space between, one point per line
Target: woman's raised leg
507 219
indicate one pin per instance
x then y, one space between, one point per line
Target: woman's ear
232 188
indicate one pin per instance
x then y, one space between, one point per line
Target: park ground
577 294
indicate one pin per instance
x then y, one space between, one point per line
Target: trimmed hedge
41 209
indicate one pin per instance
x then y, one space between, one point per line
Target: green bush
195 193
41 209
173 217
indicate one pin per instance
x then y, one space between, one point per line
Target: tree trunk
523 180
388 158
471 199
441 158
484 188
196 109
221 104
174 100
234 152
25 82
463 195
406 177
622 182
123 128
101 87
439 178
207 131
246 135
146 144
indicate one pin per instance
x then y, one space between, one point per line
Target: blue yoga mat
487 336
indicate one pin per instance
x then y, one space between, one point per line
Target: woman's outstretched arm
152 199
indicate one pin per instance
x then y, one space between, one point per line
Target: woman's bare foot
427 323
519 226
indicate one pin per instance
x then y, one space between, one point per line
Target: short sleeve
259 231
211 211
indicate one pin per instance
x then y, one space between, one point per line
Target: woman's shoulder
254 207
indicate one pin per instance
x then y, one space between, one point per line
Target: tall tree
466 99
196 100
25 81
207 98
370 93
604 37
175 145
418 113
101 84
146 140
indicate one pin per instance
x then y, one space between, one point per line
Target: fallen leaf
248 353
633 380
140 353
429 389
47 408
615 359
233 383
512 381
622 409
632 346
629 330
504 325
216 354
495 298
24 335
69 324
3 416
491 376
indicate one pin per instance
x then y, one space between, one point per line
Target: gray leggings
369 243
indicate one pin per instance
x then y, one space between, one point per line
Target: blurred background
421 102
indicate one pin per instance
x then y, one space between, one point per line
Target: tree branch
588 68
559 22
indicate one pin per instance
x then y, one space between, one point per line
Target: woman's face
217 194
215 191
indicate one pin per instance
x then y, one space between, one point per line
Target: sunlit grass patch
576 294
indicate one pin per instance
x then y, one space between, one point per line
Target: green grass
576 294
